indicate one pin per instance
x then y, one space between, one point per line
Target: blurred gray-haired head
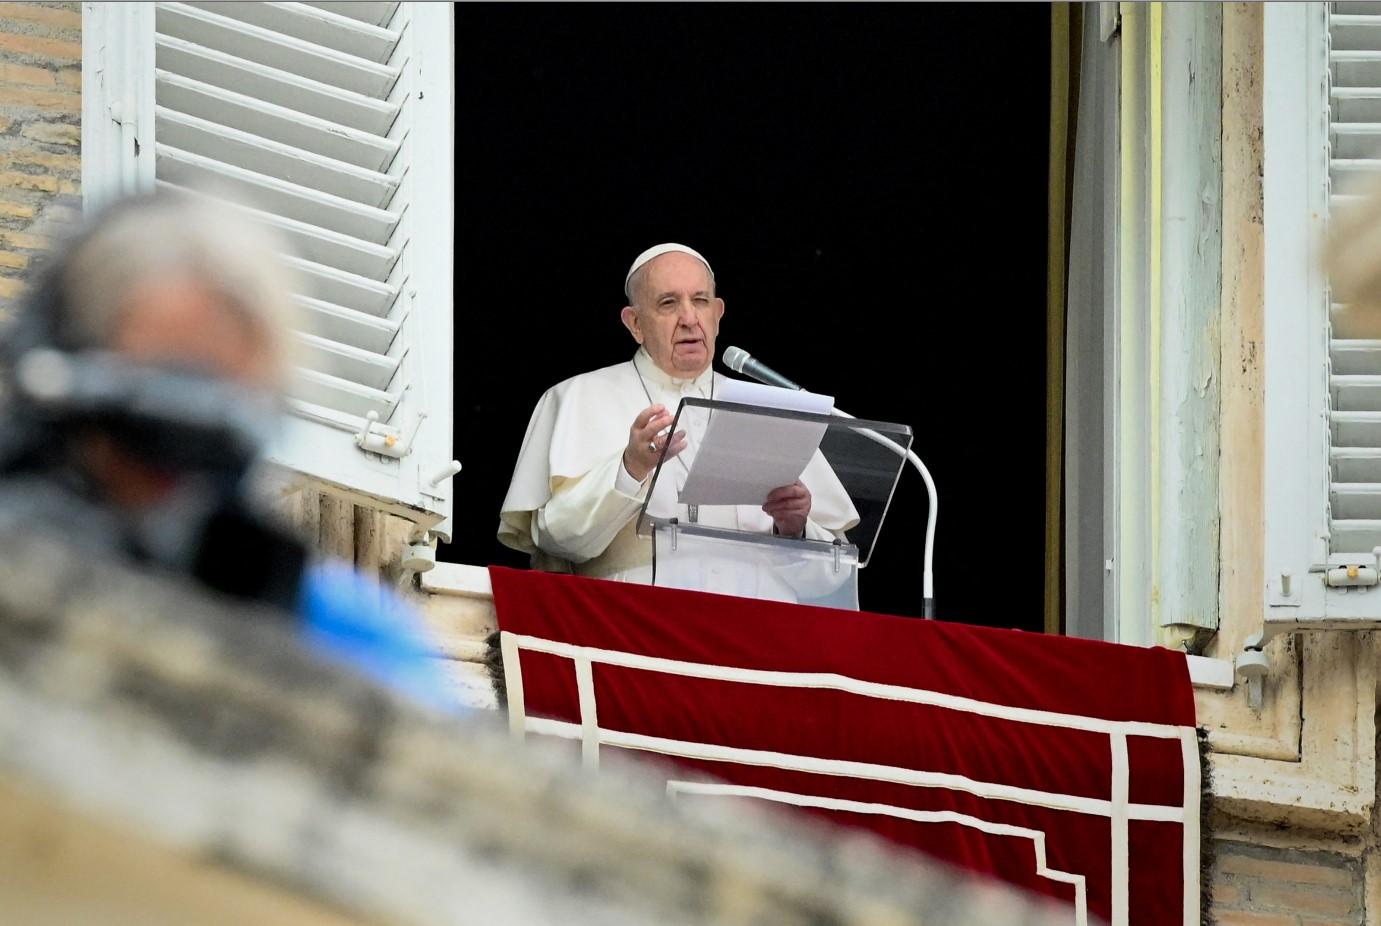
1352 257
170 235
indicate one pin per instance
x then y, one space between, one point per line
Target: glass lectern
730 547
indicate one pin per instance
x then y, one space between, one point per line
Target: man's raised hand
645 441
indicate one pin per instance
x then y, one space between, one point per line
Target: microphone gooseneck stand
928 575
740 361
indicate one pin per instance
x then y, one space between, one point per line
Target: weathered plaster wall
40 129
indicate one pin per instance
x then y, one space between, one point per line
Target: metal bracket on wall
1252 664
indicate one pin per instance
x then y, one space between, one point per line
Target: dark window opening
869 183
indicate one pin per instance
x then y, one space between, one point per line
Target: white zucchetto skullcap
657 251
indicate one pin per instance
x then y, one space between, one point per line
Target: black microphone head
735 357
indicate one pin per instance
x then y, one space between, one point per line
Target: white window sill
458 579
1216 674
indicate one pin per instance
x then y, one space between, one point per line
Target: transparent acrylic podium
732 550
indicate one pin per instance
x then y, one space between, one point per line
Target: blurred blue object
366 626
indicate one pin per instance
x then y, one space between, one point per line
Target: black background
869 182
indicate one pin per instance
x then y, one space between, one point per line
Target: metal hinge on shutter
1350 570
374 439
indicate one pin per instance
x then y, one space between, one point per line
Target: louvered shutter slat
1356 139
321 27
1357 104
341 252
320 245
251 82
368 11
332 284
291 199
273 159
1356 429
1349 171
341 395
1356 68
1357 500
1356 535
264 46
1359 392
347 326
324 246
1355 464
1354 355
351 363
1354 32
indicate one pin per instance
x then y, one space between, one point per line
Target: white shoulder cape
581 422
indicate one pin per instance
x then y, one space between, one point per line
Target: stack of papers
743 457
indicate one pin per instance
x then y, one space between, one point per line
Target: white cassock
574 507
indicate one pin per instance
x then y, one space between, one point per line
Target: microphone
740 361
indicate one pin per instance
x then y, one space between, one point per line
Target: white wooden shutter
334 121
1322 100
1355 365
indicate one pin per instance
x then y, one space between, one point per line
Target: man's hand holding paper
789 507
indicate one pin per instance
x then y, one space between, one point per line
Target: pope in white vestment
583 472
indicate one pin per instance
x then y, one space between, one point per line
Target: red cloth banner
1067 767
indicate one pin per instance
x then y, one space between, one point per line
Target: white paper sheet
795 400
743 457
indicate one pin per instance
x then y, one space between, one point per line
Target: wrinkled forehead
676 273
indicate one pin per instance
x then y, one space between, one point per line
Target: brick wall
40 129
1254 885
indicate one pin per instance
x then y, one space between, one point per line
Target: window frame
117 101
1160 327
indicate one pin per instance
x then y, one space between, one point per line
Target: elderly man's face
182 322
675 314
179 322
